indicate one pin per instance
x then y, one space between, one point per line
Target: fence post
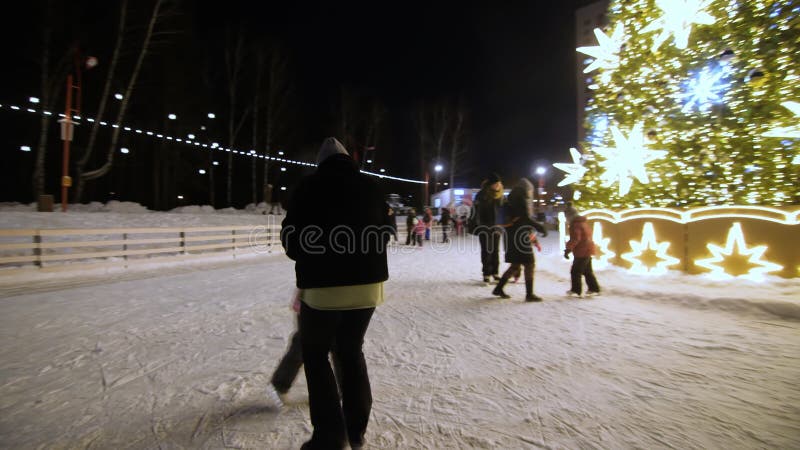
233 241
125 249
37 250
183 242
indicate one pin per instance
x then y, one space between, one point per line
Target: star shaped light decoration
627 160
606 54
735 260
657 251
790 132
601 243
575 171
677 21
704 89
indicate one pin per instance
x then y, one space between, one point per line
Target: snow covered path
180 358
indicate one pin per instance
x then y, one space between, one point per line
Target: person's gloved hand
566 254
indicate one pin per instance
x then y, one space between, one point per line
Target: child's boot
529 295
498 290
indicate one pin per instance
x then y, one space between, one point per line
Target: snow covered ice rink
179 358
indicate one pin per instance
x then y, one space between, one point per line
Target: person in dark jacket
393 223
444 221
336 230
518 247
485 208
582 247
410 239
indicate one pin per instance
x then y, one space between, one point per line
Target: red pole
65 181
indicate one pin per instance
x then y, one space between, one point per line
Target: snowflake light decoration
649 243
790 132
736 249
605 254
677 21
575 171
606 54
705 89
627 160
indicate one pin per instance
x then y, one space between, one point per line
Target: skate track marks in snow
180 359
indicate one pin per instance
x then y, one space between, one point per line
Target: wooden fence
52 250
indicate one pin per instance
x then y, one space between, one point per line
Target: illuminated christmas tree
695 102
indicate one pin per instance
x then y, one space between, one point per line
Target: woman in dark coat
519 250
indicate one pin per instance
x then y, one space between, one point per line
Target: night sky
512 63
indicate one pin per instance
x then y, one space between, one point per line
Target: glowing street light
180 197
33 100
438 168
124 150
201 171
383 170
190 136
369 161
540 171
118 96
283 188
25 148
172 117
280 153
216 163
212 116
283 169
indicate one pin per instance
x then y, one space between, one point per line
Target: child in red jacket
580 244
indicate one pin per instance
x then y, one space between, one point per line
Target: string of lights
190 140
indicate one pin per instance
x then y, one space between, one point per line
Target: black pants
333 421
490 252
583 267
410 236
289 366
444 233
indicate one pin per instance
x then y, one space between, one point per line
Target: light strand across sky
195 143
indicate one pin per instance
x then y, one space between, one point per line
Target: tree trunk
81 165
41 149
455 145
127 95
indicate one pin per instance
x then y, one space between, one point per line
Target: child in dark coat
519 249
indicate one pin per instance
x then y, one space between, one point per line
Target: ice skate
532 298
498 291
592 294
571 293
274 397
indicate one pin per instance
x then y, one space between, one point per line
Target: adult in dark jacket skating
336 230
518 247
485 207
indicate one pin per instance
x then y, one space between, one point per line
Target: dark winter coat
580 238
486 206
337 201
519 226
445 219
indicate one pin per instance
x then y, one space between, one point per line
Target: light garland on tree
677 20
575 171
606 53
734 255
627 160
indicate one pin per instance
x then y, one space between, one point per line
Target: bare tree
234 65
278 92
89 149
458 148
155 17
51 78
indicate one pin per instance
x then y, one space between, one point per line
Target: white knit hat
330 147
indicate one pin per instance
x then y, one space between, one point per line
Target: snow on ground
179 358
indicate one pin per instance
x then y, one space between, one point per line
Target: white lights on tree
677 20
741 261
627 160
705 89
575 171
606 53
648 256
791 131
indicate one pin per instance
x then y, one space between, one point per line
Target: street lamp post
540 171
438 168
